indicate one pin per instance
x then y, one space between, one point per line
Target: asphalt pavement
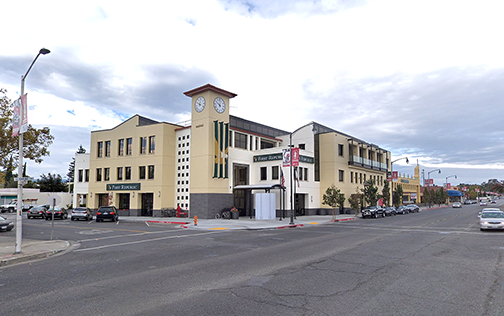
39 249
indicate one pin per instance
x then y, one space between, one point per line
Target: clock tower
210 172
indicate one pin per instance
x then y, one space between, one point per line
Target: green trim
279 156
123 186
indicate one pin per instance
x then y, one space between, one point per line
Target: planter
235 215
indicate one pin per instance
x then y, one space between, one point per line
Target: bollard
195 220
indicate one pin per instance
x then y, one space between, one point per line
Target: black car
5 225
413 208
59 212
37 212
373 211
107 212
390 211
402 210
81 213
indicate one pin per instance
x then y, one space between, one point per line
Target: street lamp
446 182
428 175
19 209
314 130
392 170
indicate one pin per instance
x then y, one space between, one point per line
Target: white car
483 203
491 218
457 205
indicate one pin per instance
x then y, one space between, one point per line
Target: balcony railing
367 163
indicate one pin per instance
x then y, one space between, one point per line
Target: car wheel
481 229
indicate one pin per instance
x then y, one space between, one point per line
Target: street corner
32 251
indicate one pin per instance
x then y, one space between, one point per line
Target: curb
343 220
36 256
168 222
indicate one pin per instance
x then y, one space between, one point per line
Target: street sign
53 200
23 179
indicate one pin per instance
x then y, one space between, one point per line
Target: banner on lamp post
18 125
295 157
286 158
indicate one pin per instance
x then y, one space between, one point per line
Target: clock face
219 105
199 105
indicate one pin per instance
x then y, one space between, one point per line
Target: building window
141 172
98 174
351 176
275 173
240 141
107 148
152 144
119 173
129 146
151 172
120 144
302 146
143 145
306 174
341 175
360 178
127 173
340 150
264 173
106 175
265 144
81 175
86 175
100 150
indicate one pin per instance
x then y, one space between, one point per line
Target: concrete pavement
39 249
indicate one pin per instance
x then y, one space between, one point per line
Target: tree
370 192
36 141
398 196
51 183
355 201
333 198
386 192
71 167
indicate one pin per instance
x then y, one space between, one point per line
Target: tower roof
208 86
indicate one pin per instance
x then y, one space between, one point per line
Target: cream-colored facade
410 185
142 166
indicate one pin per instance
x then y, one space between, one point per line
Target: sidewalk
38 249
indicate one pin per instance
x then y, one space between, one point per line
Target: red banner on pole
295 157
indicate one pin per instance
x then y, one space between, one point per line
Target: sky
422 79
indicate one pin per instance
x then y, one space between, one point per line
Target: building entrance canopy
266 187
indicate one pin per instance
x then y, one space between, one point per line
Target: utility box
265 206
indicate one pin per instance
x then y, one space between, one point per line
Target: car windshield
2 218
492 215
80 210
38 208
372 207
104 209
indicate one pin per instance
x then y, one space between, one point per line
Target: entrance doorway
147 204
241 197
299 204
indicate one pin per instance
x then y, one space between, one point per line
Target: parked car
402 210
491 218
390 211
81 213
493 202
5 225
38 211
107 212
373 211
483 203
10 207
59 212
467 202
413 208
457 205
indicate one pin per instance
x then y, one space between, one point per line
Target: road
435 262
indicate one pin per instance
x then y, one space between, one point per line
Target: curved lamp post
314 130
446 182
19 209
392 170
428 175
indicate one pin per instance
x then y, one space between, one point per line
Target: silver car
491 218
81 212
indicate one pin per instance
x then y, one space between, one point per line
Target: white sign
54 200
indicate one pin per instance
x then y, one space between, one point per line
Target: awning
454 193
258 187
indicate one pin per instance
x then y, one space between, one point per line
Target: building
81 180
143 166
412 192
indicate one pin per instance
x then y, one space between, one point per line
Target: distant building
143 166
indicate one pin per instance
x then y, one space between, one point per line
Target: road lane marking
142 241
